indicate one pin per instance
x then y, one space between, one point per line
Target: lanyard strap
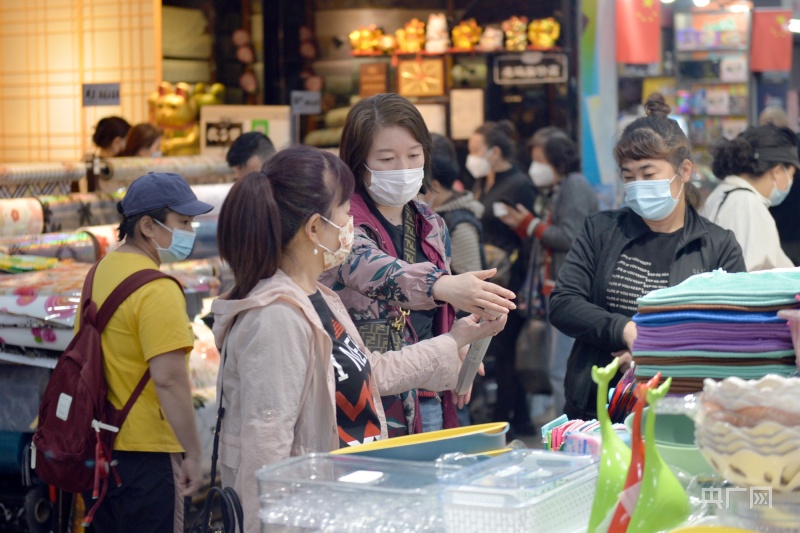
409 235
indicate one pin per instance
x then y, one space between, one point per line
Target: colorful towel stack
717 325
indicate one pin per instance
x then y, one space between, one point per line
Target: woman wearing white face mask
757 169
555 166
295 370
396 285
499 185
657 241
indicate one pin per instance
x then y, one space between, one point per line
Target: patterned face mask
331 258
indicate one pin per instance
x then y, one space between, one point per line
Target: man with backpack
155 460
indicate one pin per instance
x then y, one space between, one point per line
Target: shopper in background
500 184
143 140
757 169
460 211
157 451
109 136
397 283
556 164
785 214
249 152
296 376
658 241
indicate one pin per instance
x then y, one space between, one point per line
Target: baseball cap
157 190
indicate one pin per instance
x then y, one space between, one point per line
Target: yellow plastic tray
479 439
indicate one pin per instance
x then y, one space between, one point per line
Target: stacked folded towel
717 325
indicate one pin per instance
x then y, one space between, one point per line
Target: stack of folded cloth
717 325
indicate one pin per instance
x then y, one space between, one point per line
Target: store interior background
48 48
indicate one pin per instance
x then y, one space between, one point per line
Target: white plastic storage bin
522 491
341 493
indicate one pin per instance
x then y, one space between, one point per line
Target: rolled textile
105 238
16 264
51 295
34 173
21 216
46 337
78 246
73 211
213 194
120 171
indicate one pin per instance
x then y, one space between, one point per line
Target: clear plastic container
522 491
762 509
328 493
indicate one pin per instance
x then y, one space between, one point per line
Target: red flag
638 31
771 41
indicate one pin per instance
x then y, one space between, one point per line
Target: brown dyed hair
264 211
656 136
140 136
502 134
366 118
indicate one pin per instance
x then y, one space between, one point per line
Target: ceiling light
667 1
739 8
701 3
794 25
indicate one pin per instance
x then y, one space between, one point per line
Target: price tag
97 94
530 68
222 133
306 102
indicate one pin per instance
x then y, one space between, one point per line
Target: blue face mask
778 196
651 199
179 249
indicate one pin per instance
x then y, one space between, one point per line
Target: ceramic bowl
749 468
778 392
787 446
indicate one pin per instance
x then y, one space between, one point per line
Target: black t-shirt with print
356 416
641 268
421 321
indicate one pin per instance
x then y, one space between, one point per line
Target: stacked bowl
750 431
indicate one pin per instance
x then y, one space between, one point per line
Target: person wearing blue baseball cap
157 450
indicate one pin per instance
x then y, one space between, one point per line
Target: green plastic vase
662 504
615 456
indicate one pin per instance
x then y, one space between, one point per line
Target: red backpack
72 446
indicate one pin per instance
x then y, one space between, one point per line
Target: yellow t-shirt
152 321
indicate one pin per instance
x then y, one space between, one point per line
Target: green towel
716 372
721 355
750 289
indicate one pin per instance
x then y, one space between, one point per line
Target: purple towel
752 338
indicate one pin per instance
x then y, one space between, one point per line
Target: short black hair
562 154
108 129
127 225
741 154
444 164
246 146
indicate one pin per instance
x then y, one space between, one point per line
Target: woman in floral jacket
397 284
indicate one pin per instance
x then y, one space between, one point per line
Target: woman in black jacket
657 241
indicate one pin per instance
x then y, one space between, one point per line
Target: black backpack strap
725 197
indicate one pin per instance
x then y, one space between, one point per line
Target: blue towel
673 318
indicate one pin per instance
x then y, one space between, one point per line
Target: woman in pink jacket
297 377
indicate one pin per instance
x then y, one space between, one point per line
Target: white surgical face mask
542 174
330 258
652 199
778 196
180 247
478 166
395 188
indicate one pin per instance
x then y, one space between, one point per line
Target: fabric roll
705 317
78 246
747 289
21 216
195 168
73 211
19 173
47 337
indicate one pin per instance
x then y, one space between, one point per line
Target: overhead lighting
667 1
739 8
701 3
794 25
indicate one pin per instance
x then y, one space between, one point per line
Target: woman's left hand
625 359
515 217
